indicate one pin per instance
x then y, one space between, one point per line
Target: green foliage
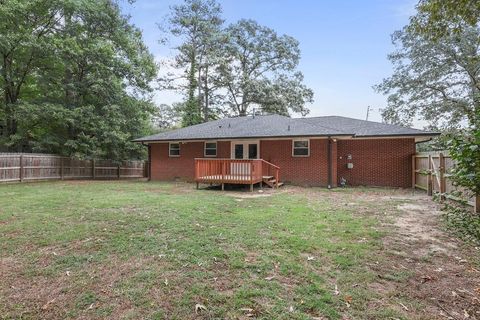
437 18
462 222
191 108
465 151
80 74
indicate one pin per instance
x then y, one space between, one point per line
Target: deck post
276 178
251 176
197 185
223 186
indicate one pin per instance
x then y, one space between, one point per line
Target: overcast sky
344 44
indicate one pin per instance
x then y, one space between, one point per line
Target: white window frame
205 149
300 155
170 150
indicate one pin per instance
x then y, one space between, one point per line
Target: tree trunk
68 75
10 100
206 93
199 87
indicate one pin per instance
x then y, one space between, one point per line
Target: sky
344 44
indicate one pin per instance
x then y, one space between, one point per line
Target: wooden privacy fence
28 167
431 172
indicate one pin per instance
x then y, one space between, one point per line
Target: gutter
399 135
417 142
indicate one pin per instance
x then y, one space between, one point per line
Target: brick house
317 151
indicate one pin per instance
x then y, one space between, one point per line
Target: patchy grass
156 250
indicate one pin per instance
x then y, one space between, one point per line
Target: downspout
149 162
329 155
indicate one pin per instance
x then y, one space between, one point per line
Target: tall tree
26 29
260 69
197 23
87 93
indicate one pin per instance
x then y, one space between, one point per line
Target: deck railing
234 171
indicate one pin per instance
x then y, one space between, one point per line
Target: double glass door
245 150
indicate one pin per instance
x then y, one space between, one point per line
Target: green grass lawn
156 250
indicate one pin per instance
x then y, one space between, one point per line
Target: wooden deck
236 171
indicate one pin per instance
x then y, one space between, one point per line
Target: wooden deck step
271 182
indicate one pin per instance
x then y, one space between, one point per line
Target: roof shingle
280 126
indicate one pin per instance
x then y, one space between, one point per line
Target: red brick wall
312 170
169 168
376 162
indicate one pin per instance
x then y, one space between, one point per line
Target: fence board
431 172
31 167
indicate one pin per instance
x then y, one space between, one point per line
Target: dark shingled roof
280 126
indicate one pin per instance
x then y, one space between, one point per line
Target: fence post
476 207
443 185
61 168
414 164
94 170
118 172
429 177
21 168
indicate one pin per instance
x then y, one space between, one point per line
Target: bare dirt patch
252 195
439 270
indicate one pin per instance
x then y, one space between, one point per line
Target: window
301 148
210 149
252 151
174 149
239 151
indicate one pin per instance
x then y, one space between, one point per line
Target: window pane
174 149
175 152
300 152
210 152
210 145
300 144
252 151
239 151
